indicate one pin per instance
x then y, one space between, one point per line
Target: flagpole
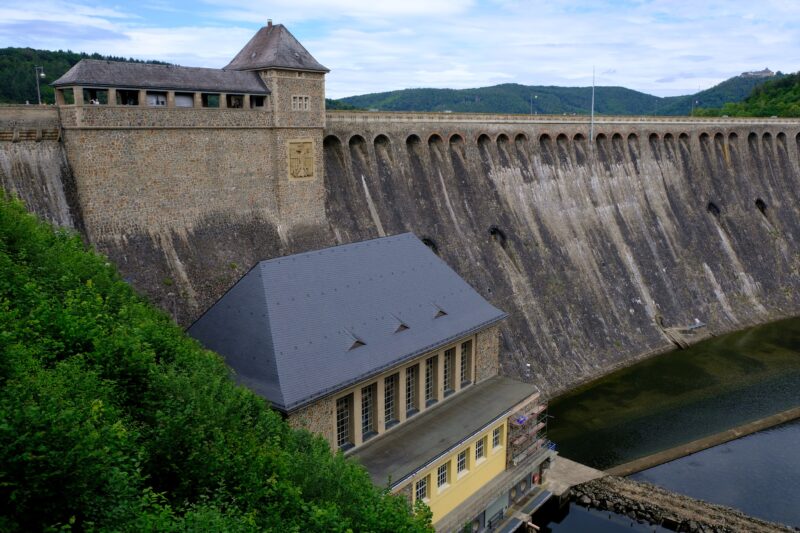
591 122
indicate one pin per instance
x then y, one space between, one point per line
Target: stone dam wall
591 247
34 166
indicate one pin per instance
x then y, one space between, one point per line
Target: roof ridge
337 247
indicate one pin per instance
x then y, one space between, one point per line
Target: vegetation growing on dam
779 97
112 419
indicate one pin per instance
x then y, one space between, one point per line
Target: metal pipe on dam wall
594 249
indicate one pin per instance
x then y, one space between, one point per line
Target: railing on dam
367 117
29 123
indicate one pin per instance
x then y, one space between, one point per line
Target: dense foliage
112 419
514 98
338 105
778 97
19 77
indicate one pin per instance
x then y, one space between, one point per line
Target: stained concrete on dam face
37 173
584 244
186 272
598 241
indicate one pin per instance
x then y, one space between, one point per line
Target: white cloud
658 46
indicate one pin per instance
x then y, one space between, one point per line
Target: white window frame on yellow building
401 413
460 472
480 444
497 438
460 485
443 470
418 483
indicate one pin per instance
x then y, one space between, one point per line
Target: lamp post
536 96
39 74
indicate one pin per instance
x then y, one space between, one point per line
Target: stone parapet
140 117
369 117
29 123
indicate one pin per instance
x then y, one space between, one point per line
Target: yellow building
386 352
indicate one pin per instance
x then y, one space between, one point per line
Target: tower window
301 103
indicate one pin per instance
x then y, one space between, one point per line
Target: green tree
112 419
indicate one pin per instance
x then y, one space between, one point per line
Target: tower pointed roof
273 46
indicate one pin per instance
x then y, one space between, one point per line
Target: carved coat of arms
301 159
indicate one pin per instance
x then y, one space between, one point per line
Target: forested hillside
515 98
19 77
778 97
509 98
112 419
19 85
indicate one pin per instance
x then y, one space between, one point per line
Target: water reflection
574 518
680 396
758 474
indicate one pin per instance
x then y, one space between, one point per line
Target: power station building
386 352
377 346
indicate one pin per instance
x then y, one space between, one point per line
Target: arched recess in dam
586 242
592 245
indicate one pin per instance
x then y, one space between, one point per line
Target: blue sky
663 47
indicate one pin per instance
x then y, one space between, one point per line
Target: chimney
269 23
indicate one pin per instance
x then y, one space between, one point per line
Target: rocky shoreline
647 503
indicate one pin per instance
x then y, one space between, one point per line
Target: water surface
573 518
758 474
680 396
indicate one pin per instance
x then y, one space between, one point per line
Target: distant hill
19 85
515 98
777 97
19 77
338 105
509 98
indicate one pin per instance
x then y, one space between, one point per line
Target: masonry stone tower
297 100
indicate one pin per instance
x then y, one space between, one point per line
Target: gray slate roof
289 326
101 73
273 46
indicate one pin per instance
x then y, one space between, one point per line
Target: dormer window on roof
259 321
